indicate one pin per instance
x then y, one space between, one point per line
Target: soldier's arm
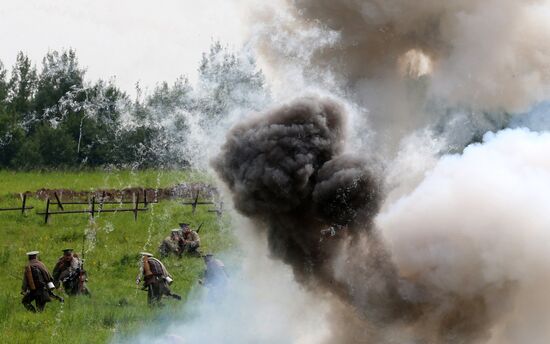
197 238
56 271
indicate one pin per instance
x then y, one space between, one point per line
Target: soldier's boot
29 307
40 306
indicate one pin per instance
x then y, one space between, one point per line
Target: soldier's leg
157 292
26 301
163 250
150 295
194 249
40 304
69 288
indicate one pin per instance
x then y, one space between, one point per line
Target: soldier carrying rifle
156 279
37 284
69 271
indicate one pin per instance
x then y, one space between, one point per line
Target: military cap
32 253
146 254
183 225
68 250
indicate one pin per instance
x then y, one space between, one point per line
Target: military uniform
170 244
70 272
215 272
35 284
190 242
156 279
215 277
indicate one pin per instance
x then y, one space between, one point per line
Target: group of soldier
181 241
39 285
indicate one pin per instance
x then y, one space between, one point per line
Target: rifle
200 226
57 297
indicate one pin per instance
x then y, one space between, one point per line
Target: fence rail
96 205
23 206
92 210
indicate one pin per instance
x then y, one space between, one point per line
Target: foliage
111 249
56 118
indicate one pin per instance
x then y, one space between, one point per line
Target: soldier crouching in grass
171 243
190 241
156 279
37 284
69 271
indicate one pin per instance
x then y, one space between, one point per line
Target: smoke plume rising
429 246
452 262
407 62
286 170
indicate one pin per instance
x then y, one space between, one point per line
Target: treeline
55 118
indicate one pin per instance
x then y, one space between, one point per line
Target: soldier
156 279
69 271
215 277
37 284
190 241
170 244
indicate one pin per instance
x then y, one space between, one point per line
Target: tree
3 88
60 75
22 87
10 134
91 116
229 81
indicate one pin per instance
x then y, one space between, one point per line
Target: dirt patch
179 191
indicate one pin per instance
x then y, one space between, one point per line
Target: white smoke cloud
466 233
396 58
480 221
263 304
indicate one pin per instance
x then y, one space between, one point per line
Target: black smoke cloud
286 170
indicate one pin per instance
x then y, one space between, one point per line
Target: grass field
111 248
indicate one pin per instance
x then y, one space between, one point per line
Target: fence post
92 211
145 198
47 210
59 204
102 200
136 202
194 205
24 203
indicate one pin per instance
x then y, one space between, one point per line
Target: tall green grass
111 252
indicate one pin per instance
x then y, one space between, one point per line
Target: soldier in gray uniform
156 279
69 271
37 284
215 277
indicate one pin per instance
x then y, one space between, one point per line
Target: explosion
418 245
456 256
